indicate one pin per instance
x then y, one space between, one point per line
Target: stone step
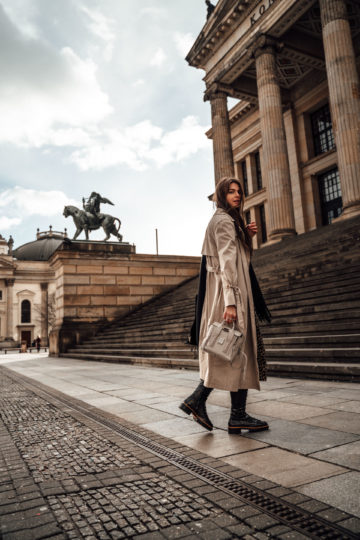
312 354
334 340
333 296
159 330
296 288
310 370
149 353
182 363
152 323
343 316
142 345
299 329
332 309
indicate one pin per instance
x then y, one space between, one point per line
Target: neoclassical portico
287 62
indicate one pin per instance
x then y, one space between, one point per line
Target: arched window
25 311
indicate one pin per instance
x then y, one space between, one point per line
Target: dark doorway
26 336
330 195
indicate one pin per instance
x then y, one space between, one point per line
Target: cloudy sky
95 95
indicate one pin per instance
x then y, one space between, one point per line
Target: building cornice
223 21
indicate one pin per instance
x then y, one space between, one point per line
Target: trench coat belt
215 269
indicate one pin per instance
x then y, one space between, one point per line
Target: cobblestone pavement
69 470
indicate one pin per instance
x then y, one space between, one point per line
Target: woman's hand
230 314
252 228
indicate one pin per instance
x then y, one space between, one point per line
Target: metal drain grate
290 515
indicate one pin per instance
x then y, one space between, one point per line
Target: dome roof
42 248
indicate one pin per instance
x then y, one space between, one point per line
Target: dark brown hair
222 189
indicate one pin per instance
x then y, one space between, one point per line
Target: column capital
264 44
44 286
215 91
332 10
9 282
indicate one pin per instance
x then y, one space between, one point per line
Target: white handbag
223 341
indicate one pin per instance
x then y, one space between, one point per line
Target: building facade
26 289
293 139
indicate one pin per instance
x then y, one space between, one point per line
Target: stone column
9 308
223 156
276 170
344 93
44 313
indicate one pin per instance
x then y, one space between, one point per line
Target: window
330 194
322 130
0 295
245 178
247 217
25 311
263 224
259 183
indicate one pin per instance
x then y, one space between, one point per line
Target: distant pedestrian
38 343
232 294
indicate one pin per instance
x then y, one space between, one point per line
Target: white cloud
183 42
180 143
152 11
44 89
138 82
141 145
159 58
7 223
127 146
24 12
101 27
29 202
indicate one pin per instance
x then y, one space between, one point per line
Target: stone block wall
94 286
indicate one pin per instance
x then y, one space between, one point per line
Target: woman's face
233 197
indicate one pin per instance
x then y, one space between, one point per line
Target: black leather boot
195 405
239 419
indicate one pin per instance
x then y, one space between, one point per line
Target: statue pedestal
97 282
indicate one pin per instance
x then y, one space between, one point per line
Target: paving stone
353 524
239 530
301 437
340 491
347 455
261 522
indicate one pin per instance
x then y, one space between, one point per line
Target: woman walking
231 289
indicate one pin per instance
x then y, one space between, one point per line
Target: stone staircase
312 286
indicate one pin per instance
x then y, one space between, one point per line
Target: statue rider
210 8
92 206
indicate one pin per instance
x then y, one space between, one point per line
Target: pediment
25 292
6 264
221 23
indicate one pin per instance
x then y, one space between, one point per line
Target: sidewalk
312 450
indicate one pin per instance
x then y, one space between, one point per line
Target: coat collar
221 212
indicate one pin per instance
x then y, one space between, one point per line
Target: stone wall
97 282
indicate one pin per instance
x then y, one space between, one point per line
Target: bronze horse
84 221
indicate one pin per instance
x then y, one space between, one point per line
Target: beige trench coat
228 283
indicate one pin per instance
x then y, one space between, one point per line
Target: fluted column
222 147
275 159
9 308
344 93
44 313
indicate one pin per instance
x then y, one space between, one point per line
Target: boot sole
188 410
237 429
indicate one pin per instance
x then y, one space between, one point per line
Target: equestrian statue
91 219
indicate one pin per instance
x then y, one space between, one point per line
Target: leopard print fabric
261 358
